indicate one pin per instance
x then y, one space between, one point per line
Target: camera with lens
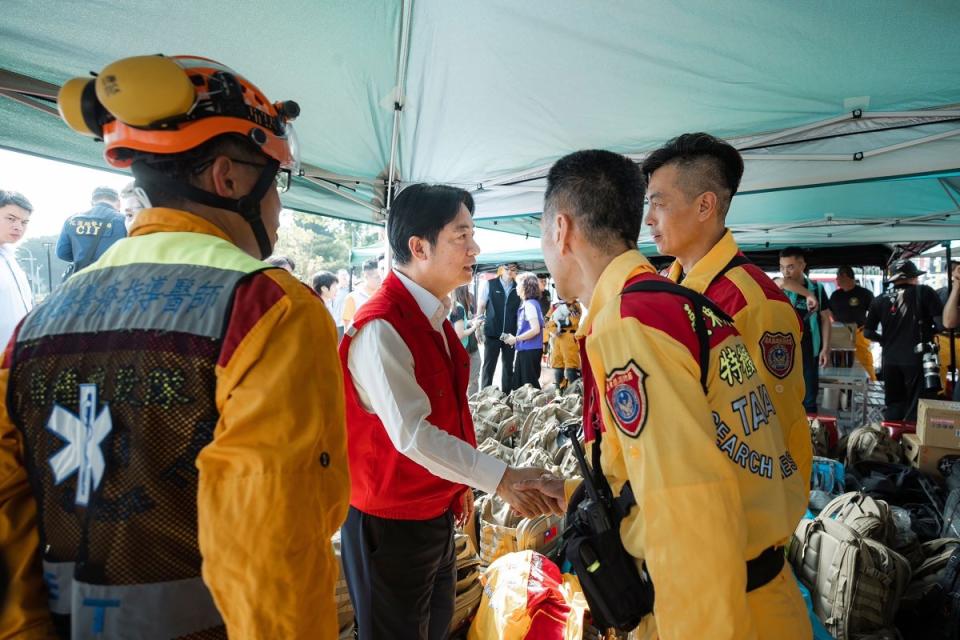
931 365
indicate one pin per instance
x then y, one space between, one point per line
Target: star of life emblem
83 434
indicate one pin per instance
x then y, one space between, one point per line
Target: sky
57 190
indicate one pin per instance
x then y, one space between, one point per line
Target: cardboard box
932 460
938 423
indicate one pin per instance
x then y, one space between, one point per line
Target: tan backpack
867 516
468 590
872 442
526 399
502 531
855 583
499 451
493 419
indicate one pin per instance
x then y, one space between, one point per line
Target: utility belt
619 594
568 330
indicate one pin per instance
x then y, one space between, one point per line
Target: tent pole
952 366
405 12
354 199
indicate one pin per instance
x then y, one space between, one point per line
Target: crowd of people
184 426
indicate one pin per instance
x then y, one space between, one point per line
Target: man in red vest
411 444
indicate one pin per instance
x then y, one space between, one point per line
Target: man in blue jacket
499 305
85 236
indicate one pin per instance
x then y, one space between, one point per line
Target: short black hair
282 262
101 194
184 167
15 198
706 163
371 265
422 211
602 190
793 252
845 270
324 279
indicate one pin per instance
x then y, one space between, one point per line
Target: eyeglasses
282 177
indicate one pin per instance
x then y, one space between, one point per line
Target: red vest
384 482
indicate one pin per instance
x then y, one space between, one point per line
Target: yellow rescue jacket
770 330
273 483
713 481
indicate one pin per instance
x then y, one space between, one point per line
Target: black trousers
402 575
811 374
492 347
902 387
527 368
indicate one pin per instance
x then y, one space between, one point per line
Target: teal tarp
496 91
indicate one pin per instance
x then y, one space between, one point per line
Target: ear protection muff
79 107
139 91
144 90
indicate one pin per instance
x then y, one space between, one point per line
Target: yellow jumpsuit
714 483
564 351
267 508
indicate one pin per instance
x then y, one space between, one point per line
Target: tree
32 255
316 243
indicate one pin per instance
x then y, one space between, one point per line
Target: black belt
760 571
764 568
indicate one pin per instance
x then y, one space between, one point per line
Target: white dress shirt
383 374
15 296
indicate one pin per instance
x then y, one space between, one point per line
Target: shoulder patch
778 351
626 394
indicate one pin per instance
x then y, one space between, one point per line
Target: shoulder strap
738 260
700 303
625 501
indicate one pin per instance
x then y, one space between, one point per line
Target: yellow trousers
943 341
778 610
564 352
863 355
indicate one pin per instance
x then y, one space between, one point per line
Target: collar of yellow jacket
707 268
160 219
628 264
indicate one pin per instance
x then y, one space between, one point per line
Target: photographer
905 314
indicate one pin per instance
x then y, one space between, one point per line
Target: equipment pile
879 549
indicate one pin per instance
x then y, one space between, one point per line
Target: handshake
532 492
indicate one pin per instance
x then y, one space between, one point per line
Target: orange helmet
167 105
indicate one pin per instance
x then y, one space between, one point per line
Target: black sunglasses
282 177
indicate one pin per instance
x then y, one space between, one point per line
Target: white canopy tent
848 116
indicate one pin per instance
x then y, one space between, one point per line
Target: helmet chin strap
248 206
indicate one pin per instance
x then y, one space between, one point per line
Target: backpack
819 438
931 605
905 487
502 531
468 588
951 511
865 515
856 583
872 442
828 475
493 419
526 399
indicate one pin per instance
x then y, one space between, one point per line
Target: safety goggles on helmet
168 105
